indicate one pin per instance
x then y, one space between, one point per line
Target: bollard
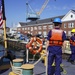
27 69
17 62
45 61
12 73
44 58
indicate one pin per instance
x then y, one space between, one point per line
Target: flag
1 20
2 12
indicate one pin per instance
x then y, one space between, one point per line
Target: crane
43 7
35 15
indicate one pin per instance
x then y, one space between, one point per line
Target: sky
15 10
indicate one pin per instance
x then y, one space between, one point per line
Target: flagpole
4 25
5 39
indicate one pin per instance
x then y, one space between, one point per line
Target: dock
40 69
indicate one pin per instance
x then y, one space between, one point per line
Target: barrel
27 69
18 62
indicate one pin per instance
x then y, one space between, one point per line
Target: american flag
1 20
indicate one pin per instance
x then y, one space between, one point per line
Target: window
71 25
25 28
35 28
44 27
71 16
22 28
69 33
44 33
50 26
25 31
29 32
40 27
64 25
39 32
28 28
31 28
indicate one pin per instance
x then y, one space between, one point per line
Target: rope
39 59
16 70
64 71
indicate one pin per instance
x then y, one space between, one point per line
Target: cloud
65 8
54 7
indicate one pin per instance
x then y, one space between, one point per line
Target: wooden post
5 39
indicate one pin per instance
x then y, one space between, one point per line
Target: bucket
17 62
27 69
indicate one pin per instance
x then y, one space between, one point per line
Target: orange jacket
56 38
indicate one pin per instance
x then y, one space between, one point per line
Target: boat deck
40 69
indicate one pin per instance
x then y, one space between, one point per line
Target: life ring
34 42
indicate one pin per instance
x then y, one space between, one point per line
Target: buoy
27 69
12 73
17 62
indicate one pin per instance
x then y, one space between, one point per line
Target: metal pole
27 55
46 63
5 40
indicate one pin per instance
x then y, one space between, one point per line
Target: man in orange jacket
55 40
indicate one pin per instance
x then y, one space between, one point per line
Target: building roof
69 16
40 21
73 10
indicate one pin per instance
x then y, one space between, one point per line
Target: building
2 30
68 22
43 26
